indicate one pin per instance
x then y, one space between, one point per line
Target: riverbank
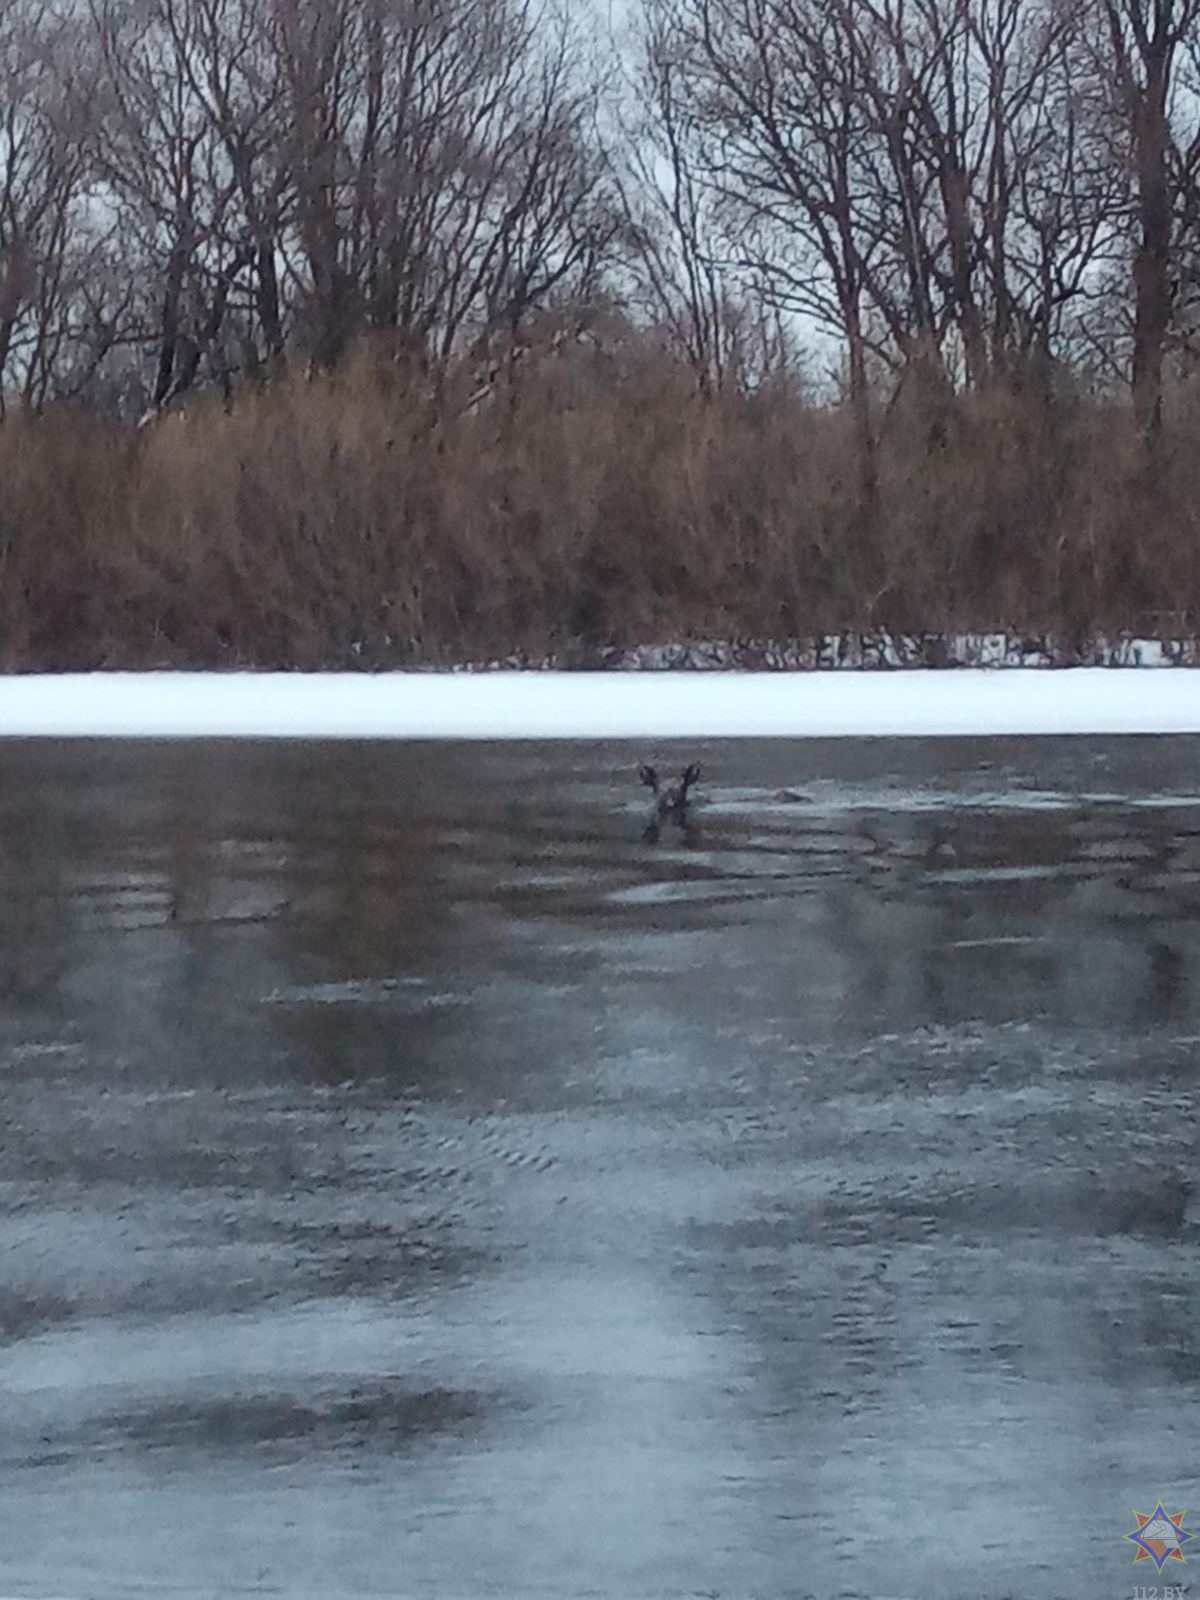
587 505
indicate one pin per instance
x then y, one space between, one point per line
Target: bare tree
227 51
56 308
985 240
920 177
670 208
774 95
1143 50
169 181
445 178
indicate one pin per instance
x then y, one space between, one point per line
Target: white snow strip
602 705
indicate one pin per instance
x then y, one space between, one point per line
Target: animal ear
649 777
692 775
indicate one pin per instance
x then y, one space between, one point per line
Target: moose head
672 799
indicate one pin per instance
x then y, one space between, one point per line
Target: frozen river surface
417 1181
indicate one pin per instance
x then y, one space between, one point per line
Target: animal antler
649 777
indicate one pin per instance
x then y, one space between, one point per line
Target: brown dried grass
593 497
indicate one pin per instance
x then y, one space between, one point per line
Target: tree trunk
1151 268
266 294
169 330
860 411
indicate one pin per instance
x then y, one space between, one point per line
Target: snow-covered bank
837 652
604 705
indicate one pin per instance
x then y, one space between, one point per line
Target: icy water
415 1180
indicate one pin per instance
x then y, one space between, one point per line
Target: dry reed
372 518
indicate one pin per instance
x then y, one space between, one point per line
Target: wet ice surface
415 1180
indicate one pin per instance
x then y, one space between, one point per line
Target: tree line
927 196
